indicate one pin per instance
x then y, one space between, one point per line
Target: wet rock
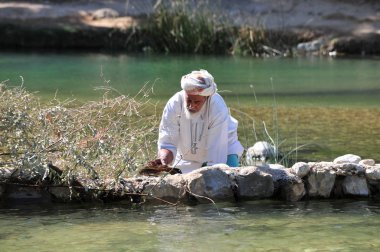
210 183
169 188
293 191
286 185
348 158
6 173
320 181
301 169
26 193
62 194
373 173
356 186
311 46
253 183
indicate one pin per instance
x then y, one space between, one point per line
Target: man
196 129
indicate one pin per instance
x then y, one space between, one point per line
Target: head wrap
199 83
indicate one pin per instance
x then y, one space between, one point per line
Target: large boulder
373 173
321 179
356 186
348 158
169 188
287 186
301 169
210 184
253 183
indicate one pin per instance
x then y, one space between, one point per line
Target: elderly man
196 129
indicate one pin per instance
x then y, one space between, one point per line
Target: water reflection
243 226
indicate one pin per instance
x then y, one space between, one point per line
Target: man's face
194 103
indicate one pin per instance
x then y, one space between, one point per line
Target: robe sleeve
217 136
168 136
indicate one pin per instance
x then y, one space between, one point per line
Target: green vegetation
102 140
188 27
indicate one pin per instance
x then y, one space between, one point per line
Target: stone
210 183
172 187
293 192
367 162
61 194
320 182
6 173
286 185
347 169
254 184
104 13
348 158
373 173
301 169
356 186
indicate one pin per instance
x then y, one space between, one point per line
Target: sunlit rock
320 181
348 158
286 185
253 183
373 173
301 169
347 169
209 183
367 162
354 185
169 188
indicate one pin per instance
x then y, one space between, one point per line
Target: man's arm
169 130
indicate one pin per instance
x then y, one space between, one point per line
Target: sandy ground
330 17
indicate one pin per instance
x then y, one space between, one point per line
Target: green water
301 81
330 106
340 225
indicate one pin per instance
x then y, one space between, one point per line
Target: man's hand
165 156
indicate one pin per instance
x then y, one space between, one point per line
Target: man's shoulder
175 100
217 99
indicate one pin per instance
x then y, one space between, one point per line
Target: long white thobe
209 137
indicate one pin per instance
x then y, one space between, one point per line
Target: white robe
208 137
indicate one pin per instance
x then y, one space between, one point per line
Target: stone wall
346 176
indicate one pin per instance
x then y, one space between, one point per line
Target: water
340 225
328 106
301 81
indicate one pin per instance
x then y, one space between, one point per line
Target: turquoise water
340 225
330 104
302 81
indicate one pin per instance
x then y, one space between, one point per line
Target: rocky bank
346 177
330 26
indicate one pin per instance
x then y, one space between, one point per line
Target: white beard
193 115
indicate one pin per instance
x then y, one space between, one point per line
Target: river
316 108
330 105
339 225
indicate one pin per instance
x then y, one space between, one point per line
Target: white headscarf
199 83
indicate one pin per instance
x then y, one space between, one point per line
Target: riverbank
295 27
347 176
